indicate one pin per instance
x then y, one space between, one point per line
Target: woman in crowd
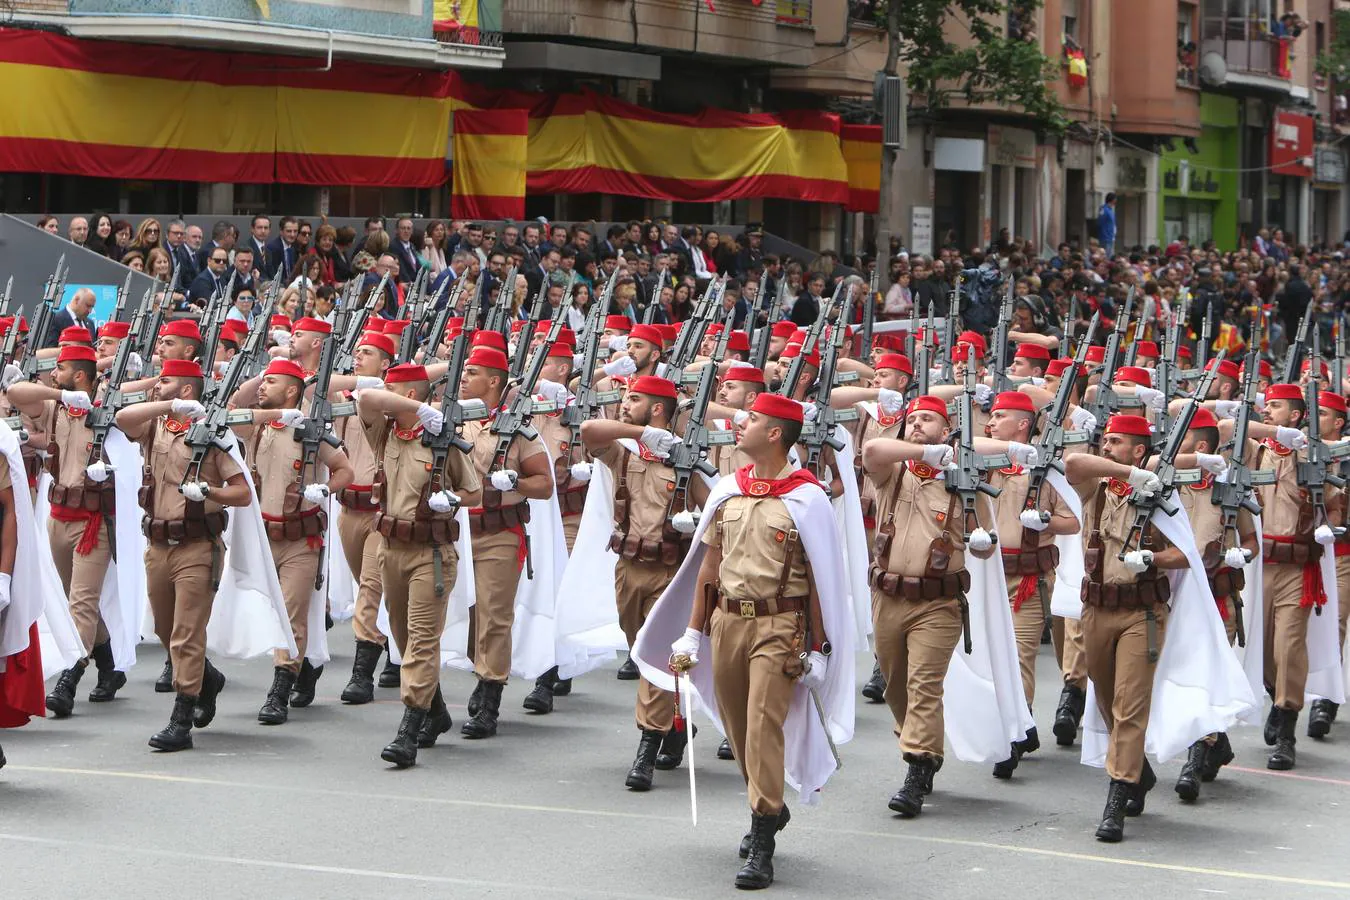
651 238
100 233
147 236
307 269
580 305
121 240
333 265
433 247
134 259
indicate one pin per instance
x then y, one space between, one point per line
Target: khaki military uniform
1206 519
356 529
39 432
498 531
1067 633
918 572
726 458
418 557
650 552
1120 610
183 550
571 494
867 428
757 657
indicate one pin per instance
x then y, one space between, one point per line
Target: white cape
1198 686
1067 598
588 633
61 643
1325 679
853 539
807 757
26 589
1252 657
339 580
123 602
455 635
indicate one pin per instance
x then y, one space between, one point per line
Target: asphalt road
308 810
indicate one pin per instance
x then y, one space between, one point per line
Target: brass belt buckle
747 609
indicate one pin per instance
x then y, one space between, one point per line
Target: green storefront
1200 190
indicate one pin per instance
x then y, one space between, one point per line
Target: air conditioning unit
889 100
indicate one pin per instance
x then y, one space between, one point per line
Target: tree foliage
1334 62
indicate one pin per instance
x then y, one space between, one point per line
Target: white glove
684 522
98 471
189 408
1037 381
1031 518
890 402
1138 561
135 365
687 644
195 490
368 383
1324 535
581 472
1260 401
220 368
980 540
1154 400
1235 557
443 501
618 344
11 374
4 591
935 376
740 417
76 400
982 393
1227 409
432 420
291 418
1213 463
1023 454
504 480
578 360
621 367
817 664
939 456
808 410
552 391
281 337
658 440
1082 420
316 493
1291 438
1144 481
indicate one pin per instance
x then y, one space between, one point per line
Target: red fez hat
713 330
8 321
1032 351
1013 400
798 336
1203 418
963 352
405 372
280 321
1123 424
311 324
1148 348
560 350
1058 367
1138 374
234 326
778 406
180 368
1332 400
395 327
649 333
783 329
489 357
669 333
567 336
74 334
744 373
1264 370
484 338
895 361
795 350
1227 368
182 328
618 323
117 330
975 339
285 367
1307 363
1284 392
1185 353
1095 354
927 402
888 342
77 354
737 341
652 386
382 342
519 325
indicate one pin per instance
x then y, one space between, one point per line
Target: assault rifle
820 433
454 411
1106 399
1050 444
42 318
217 309
690 454
514 419
794 372
536 316
1314 473
1298 348
911 334
1165 373
499 317
1207 336
761 333
869 314
692 332
588 399
100 418
1005 314
318 425
440 323
924 364
949 337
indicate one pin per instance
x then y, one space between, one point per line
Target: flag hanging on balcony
456 17
861 146
489 162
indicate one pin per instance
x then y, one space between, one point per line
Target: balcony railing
1247 46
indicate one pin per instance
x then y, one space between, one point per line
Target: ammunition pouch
926 587
483 522
1040 561
1145 593
572 502
358 499
1294 553
90 497
431 532
181 531
632 547
296 527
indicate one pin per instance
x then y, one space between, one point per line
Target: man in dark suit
77 312
282 251
205 285
180 256
222 236
404 251
259 230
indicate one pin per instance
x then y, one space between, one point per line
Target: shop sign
1291 144
1330 166
1012 147
1183 178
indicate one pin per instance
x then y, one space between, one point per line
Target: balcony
851 50
1241 53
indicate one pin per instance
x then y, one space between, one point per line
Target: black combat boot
875 689
540 700
1219 754
436 722
908 801
302 694
61 701
561 686
110 681
164 683
1272 729
476 698
1147 781
213 682
484 722
389 675
275 709
672 748
1005 769
1282 759
1188 782
402 750
361 688
1320 715
1029 744
1068 714
1112 828
629 670
640 775
757 873
724 750
177 735
783 818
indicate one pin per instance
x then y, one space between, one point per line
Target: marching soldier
183 524
1332 410
557 373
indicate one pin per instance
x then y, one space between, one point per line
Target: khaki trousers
1116 642
753 695
417 613
297 567
1028 626
178 580
496 574
1067 635
637 586
82 576
361 545
570 526
914 644
1229 615
1286 637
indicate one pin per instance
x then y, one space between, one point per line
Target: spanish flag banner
489 164
861 146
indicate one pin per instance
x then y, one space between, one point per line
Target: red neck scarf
921 469
1118 487
772 487
1276 447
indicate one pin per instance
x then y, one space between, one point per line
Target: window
1070 10
1187 54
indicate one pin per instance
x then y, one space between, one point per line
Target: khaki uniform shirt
485 446
407 469
357 445
1281 501
867 428
1015 483
275 454
924 510
752 533
71 433
651 484
1117 518
168 457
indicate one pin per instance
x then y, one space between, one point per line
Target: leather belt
296 527
358 499
98 499
753 609
632 547
1142 594
483 522
432 532
920 587
1042 562
181 531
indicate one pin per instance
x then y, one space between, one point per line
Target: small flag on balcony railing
711 8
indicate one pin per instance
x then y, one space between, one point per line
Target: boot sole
637 784
477 735
170 748
537 706
59 711
357 699
1188 793
163 688
1319 730
907 811
748 885
96 697
300 701
1279 765
1110 837
272 721
398 761
1066 731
